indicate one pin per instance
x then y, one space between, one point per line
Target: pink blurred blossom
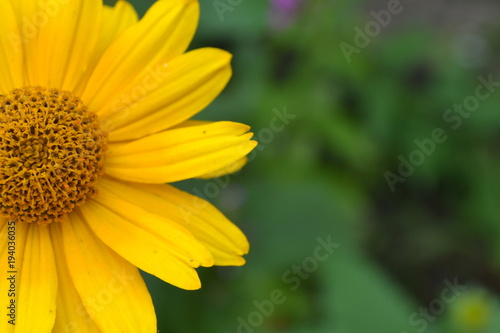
284 13
288 6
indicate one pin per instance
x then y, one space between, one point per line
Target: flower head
95 109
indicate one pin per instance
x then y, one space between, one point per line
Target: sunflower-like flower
95 109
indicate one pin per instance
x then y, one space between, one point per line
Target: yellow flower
94 122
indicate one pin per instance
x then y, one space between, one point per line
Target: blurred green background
378 135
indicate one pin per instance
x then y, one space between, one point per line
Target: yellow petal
60 38
162 233
163 33
71 315
38 283
231 168
26 34
11 50
166 96
180 153
148 241
7 266
112 290
224 240
192 122
115 20
225 258
227 170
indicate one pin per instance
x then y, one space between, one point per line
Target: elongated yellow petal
179 150
115 20
38 283
161 232
169 253
26 34
227 169
163 33
166 96
231 168
112 290
192 122
60 38
11 259
180 153
11 50
224 240
163 140
71 315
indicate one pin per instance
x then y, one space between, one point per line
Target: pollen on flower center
51 154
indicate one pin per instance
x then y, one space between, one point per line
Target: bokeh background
375 139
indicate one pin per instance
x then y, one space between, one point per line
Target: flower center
51 154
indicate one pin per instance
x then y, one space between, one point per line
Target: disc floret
51 154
